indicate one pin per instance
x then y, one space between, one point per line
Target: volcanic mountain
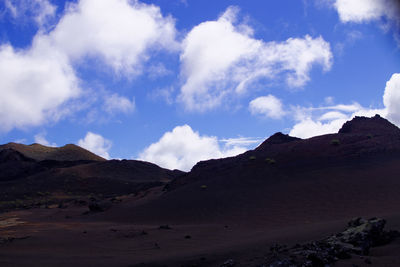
224 212
39 152
29 171
290 179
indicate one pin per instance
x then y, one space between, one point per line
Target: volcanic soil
226 212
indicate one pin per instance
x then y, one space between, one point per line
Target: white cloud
36 84
115 103
385 12
242 141
182 148
11 8
39 10
96 144
309 127
40 138
364 11
391 98
329 100
39 82
165 94
158 70
332 115
269 106
221 58
329 119
121 32
332 118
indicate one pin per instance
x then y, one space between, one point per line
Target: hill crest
69 152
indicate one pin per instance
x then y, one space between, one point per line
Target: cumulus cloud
309 127
36 84
366 10
221 58
39 10
96 144
115 103
386 12
269 106
182 148
121 32
39 82
391 98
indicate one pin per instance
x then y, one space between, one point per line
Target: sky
175 82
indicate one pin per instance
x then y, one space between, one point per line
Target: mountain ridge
38 152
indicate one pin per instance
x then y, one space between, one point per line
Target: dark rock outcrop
374 125
357 239
276 139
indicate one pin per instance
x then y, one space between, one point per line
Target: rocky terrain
276 205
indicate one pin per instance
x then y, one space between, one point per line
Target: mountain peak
278 138
373 125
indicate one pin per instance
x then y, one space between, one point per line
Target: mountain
330 176
234 211
372 126
28 171
39 152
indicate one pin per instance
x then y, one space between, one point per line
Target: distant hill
39 152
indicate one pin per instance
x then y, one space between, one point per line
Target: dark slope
39 152
22 179
292 180
29 173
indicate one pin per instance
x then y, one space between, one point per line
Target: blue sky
175 82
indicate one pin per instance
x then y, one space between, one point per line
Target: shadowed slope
288 182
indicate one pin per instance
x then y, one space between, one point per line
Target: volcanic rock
358 238
375 125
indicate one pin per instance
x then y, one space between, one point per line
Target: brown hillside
39 152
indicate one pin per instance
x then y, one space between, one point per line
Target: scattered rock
188 237
165 227
358 238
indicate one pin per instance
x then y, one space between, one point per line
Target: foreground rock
357 239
